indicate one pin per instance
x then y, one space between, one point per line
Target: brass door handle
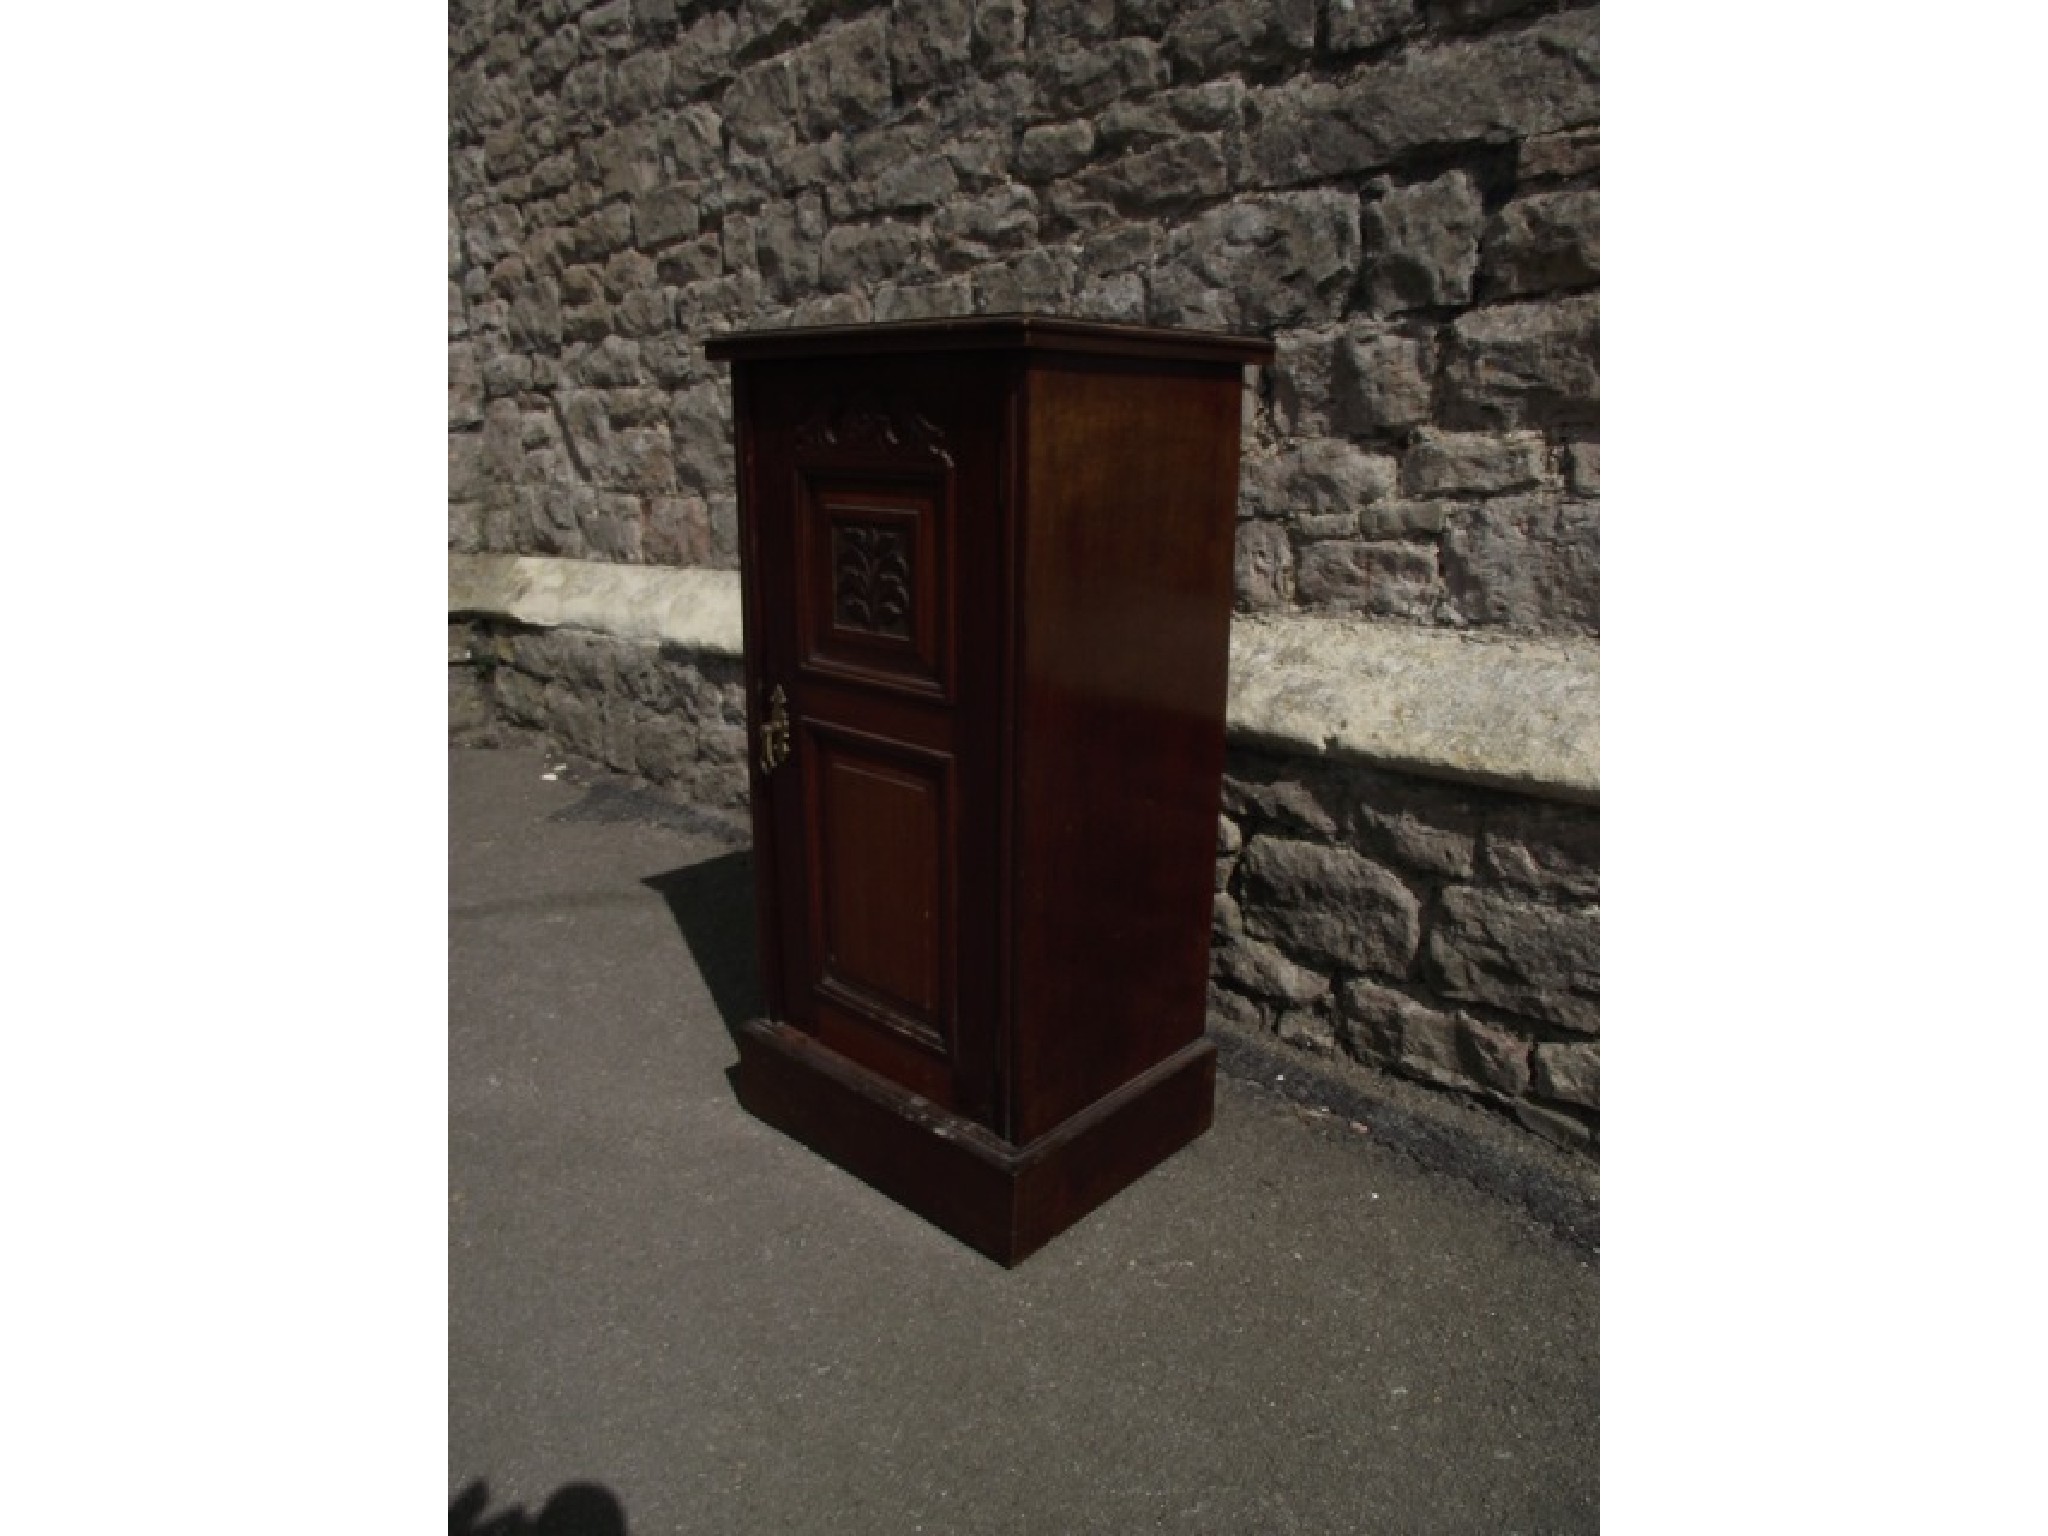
775 732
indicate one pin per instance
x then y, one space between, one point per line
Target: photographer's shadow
574 1509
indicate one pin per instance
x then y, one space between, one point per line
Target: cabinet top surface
994 333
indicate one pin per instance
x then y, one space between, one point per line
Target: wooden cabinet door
873 611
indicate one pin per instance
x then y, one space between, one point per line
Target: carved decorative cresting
871 579
867 423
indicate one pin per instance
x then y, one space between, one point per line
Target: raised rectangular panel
881 886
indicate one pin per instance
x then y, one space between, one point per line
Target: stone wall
1401 193
671 716
1445 932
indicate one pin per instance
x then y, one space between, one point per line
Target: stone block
640 85
666 215
692 144
1424 828
1570 1072
642 462
492 234
1300 375
971 231
613 361
927 181
1535 364
1121 297
1306 1029
534 318
1527 957
465 386
1546 241
555 54
1040 280
1400 518
1377 1023
692 263
1334 475
924 301
1528 563
1235 1008
1265 566
833 309
759 108
1287 795
1356 25
610 23
1285 261
604 233
1474 463
1052 150
586 90
787 241
930 42
628 272
1582 468
654 19
1262 971
866 255
1230 37
1176 174
677 531
1551 851
700 429
1575 152
719 303
980 159
1379 383
843 78
465 467
1063 21
1491 90
998 33
1328 905
503 452
1077 79
614 534
875 153
1386 580
1495 1058
555 174
1422 244
725 529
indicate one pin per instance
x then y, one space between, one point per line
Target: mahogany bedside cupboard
987 573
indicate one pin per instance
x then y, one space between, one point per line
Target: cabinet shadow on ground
712 903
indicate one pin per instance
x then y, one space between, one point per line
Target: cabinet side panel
1122 667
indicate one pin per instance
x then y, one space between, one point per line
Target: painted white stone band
1512 712
690 607
1517 713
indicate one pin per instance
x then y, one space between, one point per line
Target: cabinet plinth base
1002 1200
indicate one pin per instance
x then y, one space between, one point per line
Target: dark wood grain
988 565
1128 540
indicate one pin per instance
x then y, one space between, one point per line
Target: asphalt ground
666 1317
